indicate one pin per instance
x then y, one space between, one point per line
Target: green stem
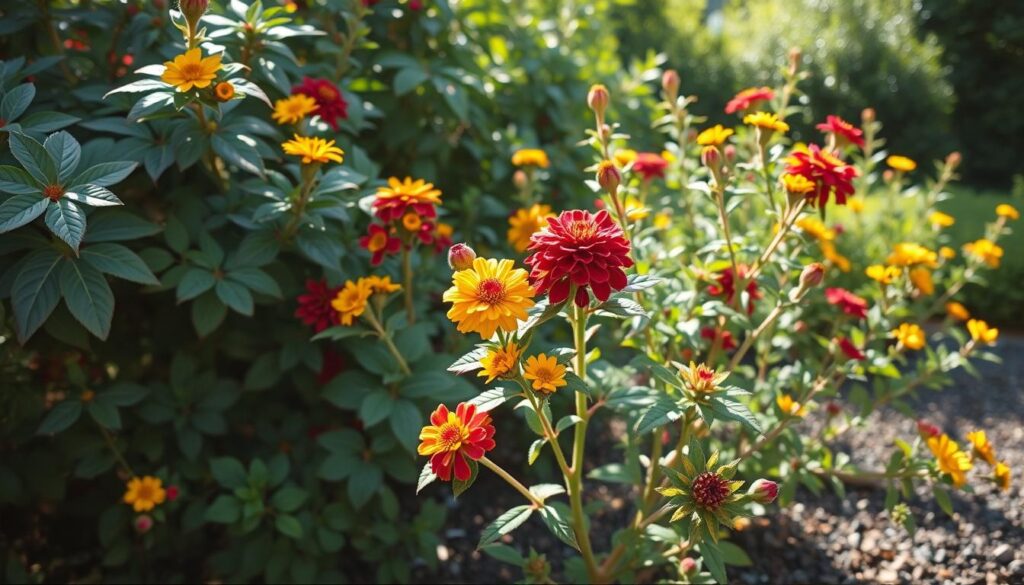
410 310
374 322
579 326
549 431
113 447
537 502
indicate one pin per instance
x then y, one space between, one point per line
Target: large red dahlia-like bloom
315 305
843 130
650 165
827 171
747 98
726 285
577 247
850 303
452 436
331 106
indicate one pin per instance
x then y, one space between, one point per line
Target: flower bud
711 157
800 326
143 524
812 275
730 153
833 409
608 176
764 491
867 115
888 175
927 429
460 257
519 179
172 493
688 566
954 159
597 99
794 60
670 83
606 133
193 10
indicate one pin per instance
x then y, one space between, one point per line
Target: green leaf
195 282
942 499
288 498
16 101
224 510
612 473
256 280
376 406
427 477
47 121
119 261
574 383
406 421
88 296
34 158
363 483
289 526
733 555
117 226
505 524
229 472
104 174
735 411
123 394
105 414
504 553
427 384
337 466
20 210
409 79
65 151
236 296
556 516
459 486
93 195
662 412
321 247
208 313
713 560
36 291
60 417
67 221
495 397
17 182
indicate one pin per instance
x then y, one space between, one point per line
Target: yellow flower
224 91
624 156
797 184
490 295
634 210
947 253
813 227
667 155
500 361
531 157
901 163
982 449
545 372
941 219
1007 211
351 300
292 109
412 222
883 274
714 136
145 493
911 254
828 250
525 223
789 406
855 204
1002 475
910 335
407 192
957 311
981 332
380 284
191 70
985 250
444 230
950 458
922 279
313 150
701 378
662 220
766 121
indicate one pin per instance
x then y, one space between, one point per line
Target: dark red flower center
491 291
53 192
710 490
705 374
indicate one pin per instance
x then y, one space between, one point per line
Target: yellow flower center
192 71
582 230
412 222
450 436
544 375
491 291
145 492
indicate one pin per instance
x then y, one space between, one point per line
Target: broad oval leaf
67 221
88 296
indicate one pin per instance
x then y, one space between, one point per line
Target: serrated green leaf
20 210
119 261
67 221
34 158
65 151
505 524
88 296
36 291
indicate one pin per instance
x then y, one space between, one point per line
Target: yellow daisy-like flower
985 250
1007 211
957 311
950 458
1002 474
941 219
789 406
313 150
351 300
492 294
922 279
634 210
911 254
901 163
828 250
766 121
662 220
293 109
910 335
500 361
883 274
191 69
408 192
981 332
525 223
982 449
624 156
381 284
545 373
714 136
531 157
145 493
814 227
947 253
855 204
797 184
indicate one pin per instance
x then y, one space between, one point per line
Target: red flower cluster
726 285
315 305
728 341
582 249
330 105
851 350
850 303
828 173
379 242
748 98
649 165
843 130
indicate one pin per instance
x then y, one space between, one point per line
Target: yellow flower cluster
766 121
350 302
911 254
985 250
525 223
981 332
910 336
531 157
815 228
950 458
983 449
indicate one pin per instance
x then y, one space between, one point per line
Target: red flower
850 349
172 492
452 436
379 242
330 104
843 130
649 165
850 303
728 342
315 305
828 173
582 249
747 98
727 286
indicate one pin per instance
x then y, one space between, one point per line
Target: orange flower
545 372
292 109
982 449
350 302
145 493
985 250
941 219
500 361
981 332
191 69
829 174
224 91
766 121
531 157
525 223
313 150
1007 211
901 163
789 406
922 279
451 437
1002 475
491 295
714 136
911 336
950 458
393 200
957 311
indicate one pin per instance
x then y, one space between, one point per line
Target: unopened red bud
954 159
812 275
143 524
460 257
597 99
730 153
688 566
193 10
608 176
888 175
670 83
172 493
764 491
833 409
927 429
520 179
800 326
867 115
711 157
